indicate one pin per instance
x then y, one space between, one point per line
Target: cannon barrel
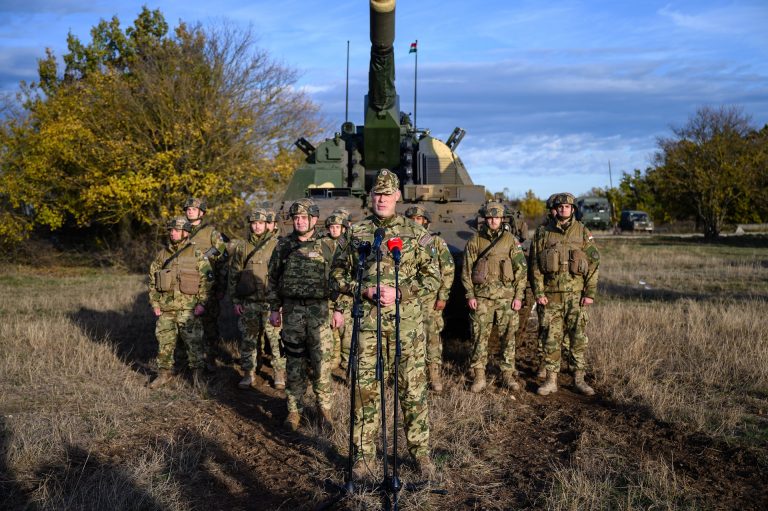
381 74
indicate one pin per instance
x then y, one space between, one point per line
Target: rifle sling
175 255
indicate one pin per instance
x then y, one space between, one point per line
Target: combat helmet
550 199
336 219
180 222
417 211
306 206
563 198
194 202
492 209
257 215
271 215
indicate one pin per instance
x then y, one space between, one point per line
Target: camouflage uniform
176 288
418 279
495 281
342 337
208 240
248 287
298 284
565 270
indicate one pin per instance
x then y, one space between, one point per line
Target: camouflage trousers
433 326
412 386
174 325
564 323
488 312
308 342
541 337
342 340
254 325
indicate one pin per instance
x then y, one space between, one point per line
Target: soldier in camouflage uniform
180 281
208 240
433 308
565 271
272 225
248 291
418 279
337 225
494 278
298 285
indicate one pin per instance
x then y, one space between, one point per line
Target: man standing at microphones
418 278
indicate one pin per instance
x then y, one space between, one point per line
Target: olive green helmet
271 215
414 211
194 202
180 222
550 201
563 198
305 206
336 219
492 210
257 215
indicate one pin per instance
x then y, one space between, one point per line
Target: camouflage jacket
206 238
343 302
248 279
418 276
501 273
185 282
299 269
564 259
446 265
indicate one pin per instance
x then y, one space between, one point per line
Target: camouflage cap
306 206
257 215
492 210
180 222
194 202
417 211
342 212
563 198
386 183
271 215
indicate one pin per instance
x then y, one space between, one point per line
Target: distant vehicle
594 212
633 220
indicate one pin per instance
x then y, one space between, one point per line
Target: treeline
139 119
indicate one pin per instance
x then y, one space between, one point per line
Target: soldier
337 225
208 240
180 281
272 222
298 285
433 309
248 291
418 279
565 271
541 331
494 278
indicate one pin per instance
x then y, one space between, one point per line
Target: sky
551 94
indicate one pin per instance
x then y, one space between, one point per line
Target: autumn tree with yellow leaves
141 118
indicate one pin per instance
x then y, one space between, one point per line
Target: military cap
386 182
417 211
194 202
342 212
306 206
563 198
271 215
180 222
492 210
257 215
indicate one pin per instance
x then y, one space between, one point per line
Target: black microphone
378 237
364 248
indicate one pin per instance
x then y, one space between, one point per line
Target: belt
304 301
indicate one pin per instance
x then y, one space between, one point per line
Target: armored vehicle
339 172
632 220
594 212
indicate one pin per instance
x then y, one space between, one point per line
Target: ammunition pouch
248 284
189 281
549 260
577 262
505 269
164 280
480 271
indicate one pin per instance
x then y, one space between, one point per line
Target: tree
531 206
141 119
709 169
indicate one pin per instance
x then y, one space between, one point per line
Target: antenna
346 98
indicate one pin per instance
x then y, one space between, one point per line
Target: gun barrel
381 74
383 23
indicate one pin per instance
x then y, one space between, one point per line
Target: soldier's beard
565 219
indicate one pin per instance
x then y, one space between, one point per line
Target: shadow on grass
12 496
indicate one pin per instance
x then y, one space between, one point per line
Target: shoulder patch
425 240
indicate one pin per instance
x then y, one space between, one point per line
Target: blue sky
549 92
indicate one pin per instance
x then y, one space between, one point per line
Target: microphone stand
395 484
380 373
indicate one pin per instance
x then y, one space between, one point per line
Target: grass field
678 353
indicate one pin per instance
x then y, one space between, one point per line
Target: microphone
378 237
395 245
364 248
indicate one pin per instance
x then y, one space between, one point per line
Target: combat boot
247 380
279 379
163 377
434 378
362 467
581 385
549 386
292 421
509 381
542 372
425 466
479 383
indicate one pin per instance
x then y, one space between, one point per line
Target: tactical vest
181 274
202 237
563 252
254 275
496 265
305 268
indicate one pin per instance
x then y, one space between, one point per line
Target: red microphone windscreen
394 243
